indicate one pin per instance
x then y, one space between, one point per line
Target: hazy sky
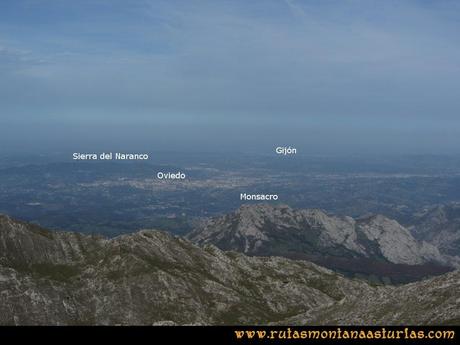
327 76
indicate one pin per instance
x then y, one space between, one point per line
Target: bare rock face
396 243
341 243
22 244
433 301
440 226
151 277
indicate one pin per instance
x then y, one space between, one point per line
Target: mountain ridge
152 277
314 235
440 226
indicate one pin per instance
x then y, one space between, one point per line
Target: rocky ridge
338 242
440 226
151 277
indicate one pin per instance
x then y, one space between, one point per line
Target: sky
328 77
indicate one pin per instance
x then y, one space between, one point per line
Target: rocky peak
440 226
25 243
63 278
315 235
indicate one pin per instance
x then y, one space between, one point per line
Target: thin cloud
349 63
295 9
